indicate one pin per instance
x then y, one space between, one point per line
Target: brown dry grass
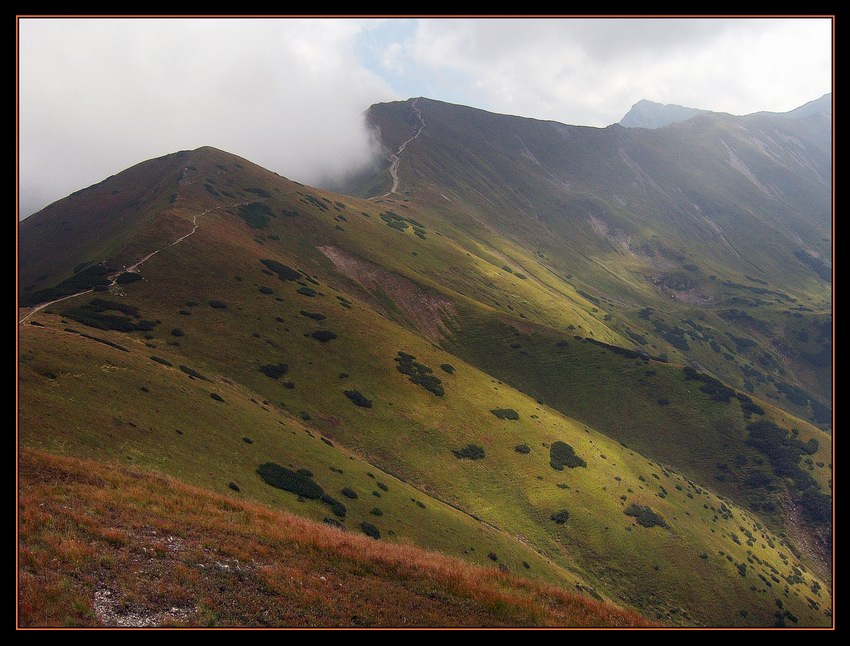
101 544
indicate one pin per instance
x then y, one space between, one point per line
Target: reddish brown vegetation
107 545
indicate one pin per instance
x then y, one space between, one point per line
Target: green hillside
351 337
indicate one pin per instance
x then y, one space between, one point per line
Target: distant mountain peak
649 114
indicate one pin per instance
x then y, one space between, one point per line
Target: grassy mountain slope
116 546
728 216
213 286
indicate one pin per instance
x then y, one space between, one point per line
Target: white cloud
590 71
97 96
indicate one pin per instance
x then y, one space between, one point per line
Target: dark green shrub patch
266 290
307 291
194 374
419 374
337 507
348 492
247 440
505 413
376 511
323 335
283 272
291 481
128 277
88 278
748 406
333 522
316 316
164 362
469 452
447 367
644 516
177 332
256 214
560 517
217 397
370 530
275 371
258 191
315 201
382 486
711 386
218 305
234 486
623 352
105 342
94 314
326 441
492 556
663 401
522 448
563 455
291 213
358 398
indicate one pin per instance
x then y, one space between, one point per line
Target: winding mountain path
113 279
395 157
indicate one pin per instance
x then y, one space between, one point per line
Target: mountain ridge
361 336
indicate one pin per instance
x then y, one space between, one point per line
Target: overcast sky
97 96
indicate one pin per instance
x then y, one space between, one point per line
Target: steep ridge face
722 219
318 352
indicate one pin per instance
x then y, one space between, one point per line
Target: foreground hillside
109 546
334 357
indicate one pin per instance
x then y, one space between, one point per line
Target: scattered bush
469 452
291 481
358 398
105 342
382 486
505 413
164 362
645 516
711 386
748 406
193 374
348 492
128 277
283 272
337 507
247 440
522 448
663 401
376 511
560 517
275 371
323 335
447 367
84 278
307 291
563 455
93 314
218 305
266 290
258 191
177 332
370 530
217 397
492 556
419 374
316 316
234 486
256 214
